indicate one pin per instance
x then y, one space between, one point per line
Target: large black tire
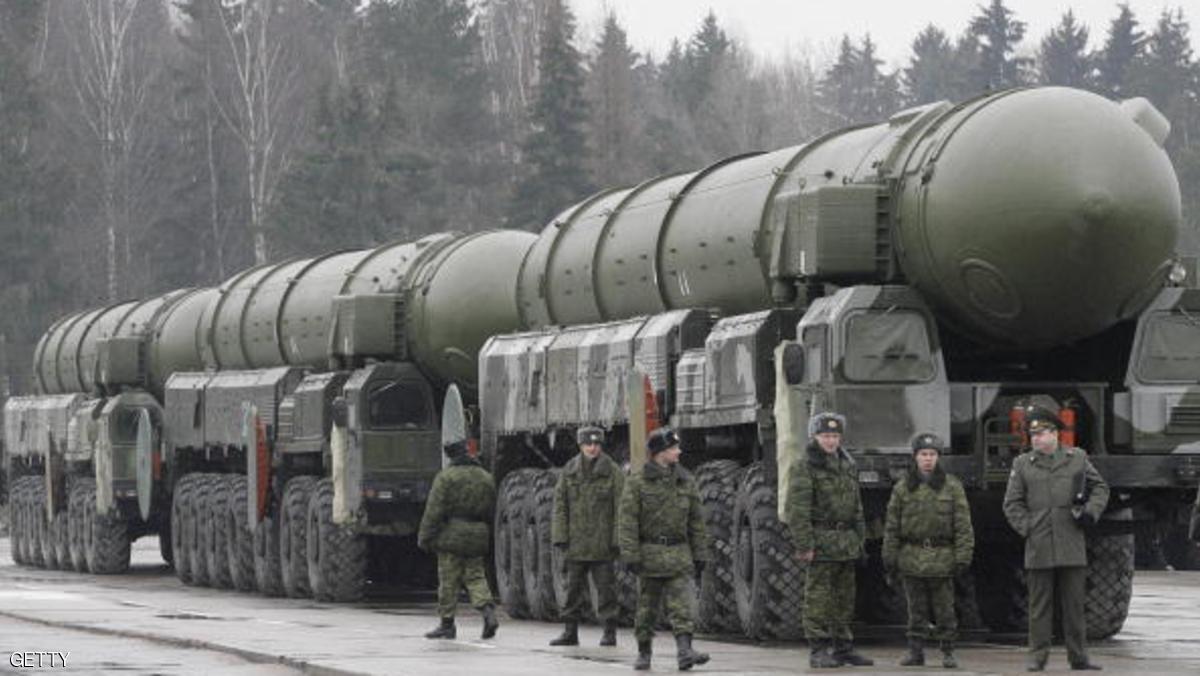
181 528
510 539
293 527
1000 585
717 483
16 522
268 578
238 539
108 550
1109 583
337 555
201 529
62 540
75 526
1180 551
537 549
215 538
35 511
768 580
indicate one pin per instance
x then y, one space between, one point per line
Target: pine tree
854 90
1000 33
614 121
1063 57
1122 49
705 57
930 74
555 151
878 93
837 92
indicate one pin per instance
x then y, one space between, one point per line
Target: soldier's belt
666 541
834 525
929 543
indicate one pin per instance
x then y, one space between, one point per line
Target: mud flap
54 481
790 429
347 476
144 462
642 412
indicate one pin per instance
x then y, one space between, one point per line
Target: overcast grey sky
775 27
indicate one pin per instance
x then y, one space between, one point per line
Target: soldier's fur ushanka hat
826 422
927 440
589 435
661 439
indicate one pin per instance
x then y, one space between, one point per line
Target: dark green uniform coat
586 499
458 513
1038 505
928 530
660 526
824 508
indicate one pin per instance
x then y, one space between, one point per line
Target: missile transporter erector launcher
935 273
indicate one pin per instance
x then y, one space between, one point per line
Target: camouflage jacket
1038 505
459 510
928 529
824 507
660 526
585 508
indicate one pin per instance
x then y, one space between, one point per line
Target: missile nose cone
1051 215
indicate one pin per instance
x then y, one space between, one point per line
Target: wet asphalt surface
147 622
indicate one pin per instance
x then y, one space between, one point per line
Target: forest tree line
147 145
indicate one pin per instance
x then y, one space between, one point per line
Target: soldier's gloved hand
1085 520
699 567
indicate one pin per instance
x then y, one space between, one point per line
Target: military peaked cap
661 439
1038 418
589 435
826 422
927 440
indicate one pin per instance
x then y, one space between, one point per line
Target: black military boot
688 658
1085 665
610 633
844 653
490 623
445 630
949 661
821 656
1035 663
916 653
570 635
643 658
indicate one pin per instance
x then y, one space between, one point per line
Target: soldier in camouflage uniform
1053 494
928 539
456 527
662 537
584 528
825 516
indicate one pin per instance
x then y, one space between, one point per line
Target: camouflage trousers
578 595
651 593
829 600
456 572
931 601
1062 589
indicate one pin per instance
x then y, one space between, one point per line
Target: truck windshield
398 404
1170 349
888 347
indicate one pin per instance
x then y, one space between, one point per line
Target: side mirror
793 363
340 411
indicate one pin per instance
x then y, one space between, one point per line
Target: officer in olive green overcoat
584 528
1053 494
825 516
928 539
455 526
660 530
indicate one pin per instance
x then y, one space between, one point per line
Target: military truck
938 272
269 429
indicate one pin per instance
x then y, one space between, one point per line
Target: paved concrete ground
147 622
